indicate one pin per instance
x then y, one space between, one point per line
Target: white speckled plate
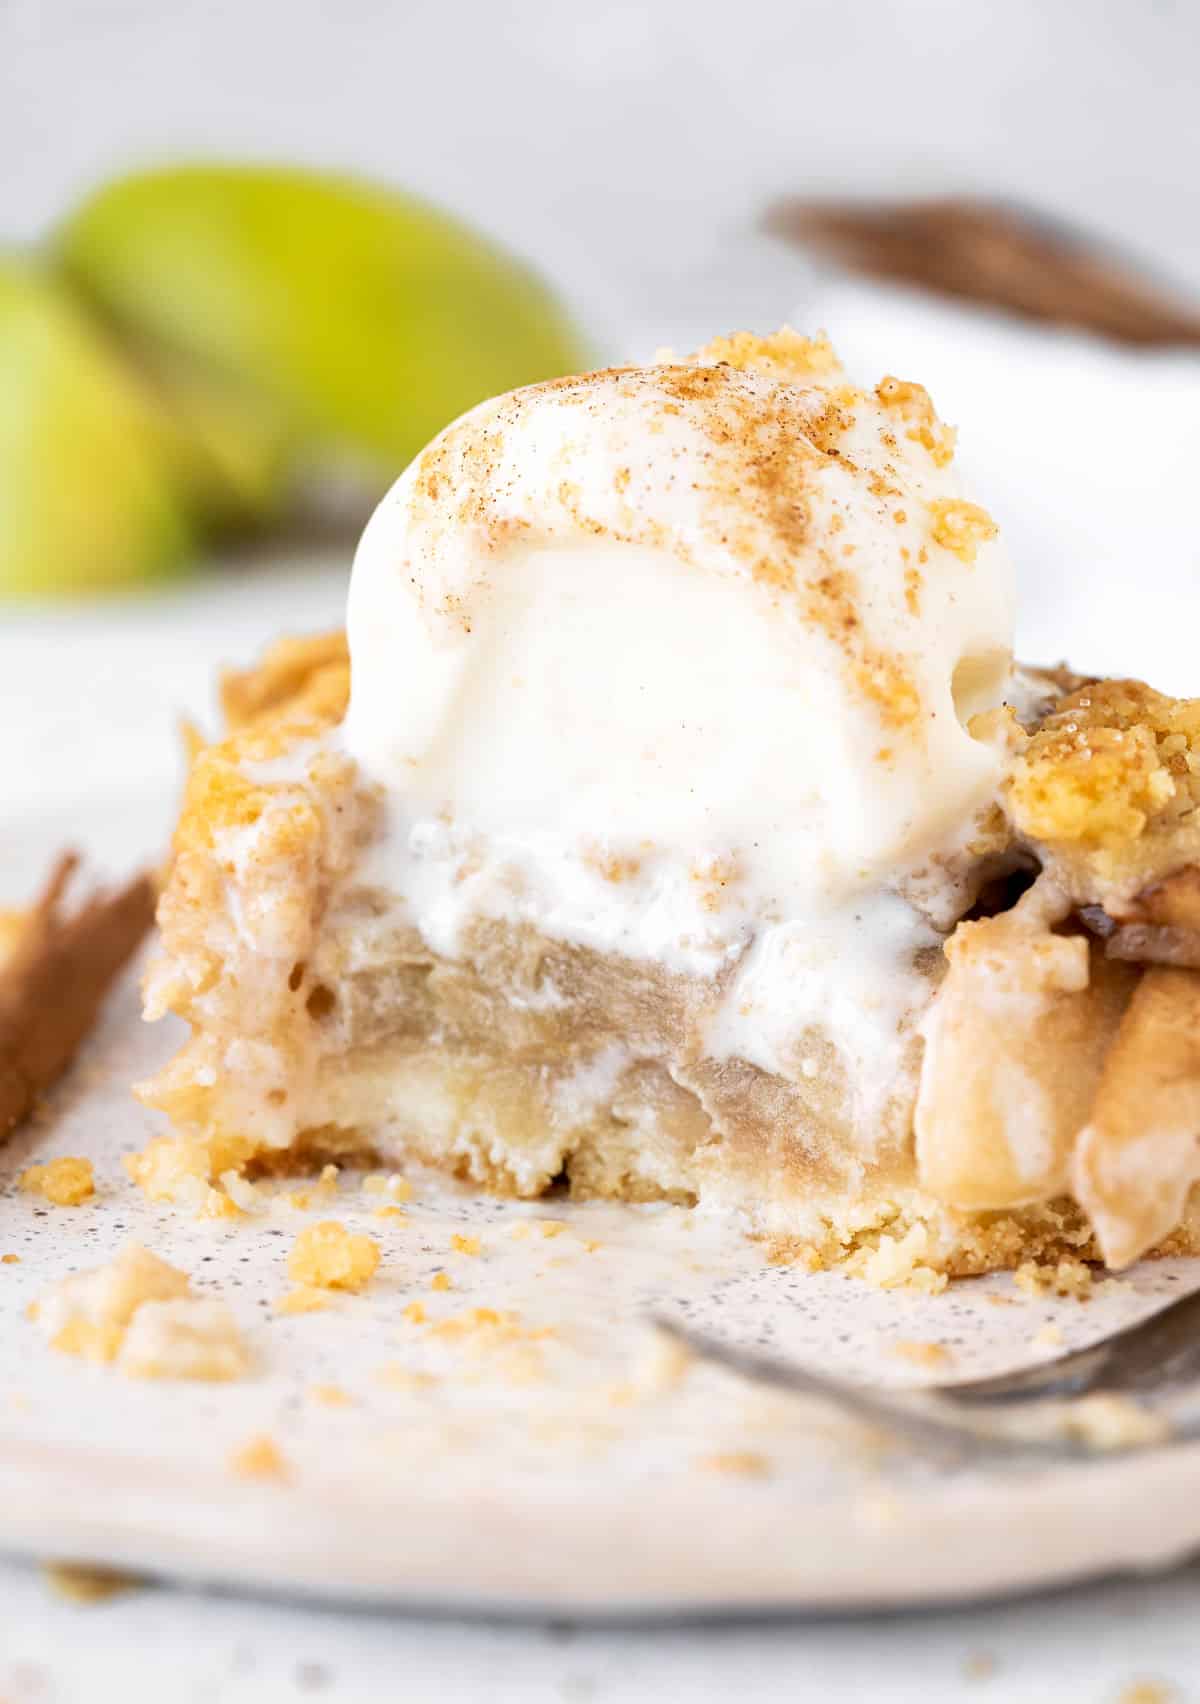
534 1469
539 1467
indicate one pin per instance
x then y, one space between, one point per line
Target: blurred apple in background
367 318
88 495
201 347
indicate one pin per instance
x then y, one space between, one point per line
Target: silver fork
1156 1356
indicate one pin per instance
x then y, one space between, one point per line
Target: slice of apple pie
675 827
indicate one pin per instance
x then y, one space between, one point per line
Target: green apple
231 449
88 494
361 318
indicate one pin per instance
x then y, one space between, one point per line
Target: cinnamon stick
55 979
996 255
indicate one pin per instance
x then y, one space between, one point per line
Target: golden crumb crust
1108 786
312 672
271 820
298 691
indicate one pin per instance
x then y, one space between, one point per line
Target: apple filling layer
1044 1100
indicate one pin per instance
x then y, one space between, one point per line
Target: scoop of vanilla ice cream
656 655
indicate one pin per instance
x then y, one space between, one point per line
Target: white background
630 149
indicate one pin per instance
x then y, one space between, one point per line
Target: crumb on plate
89 1313
663 1364
330 1396
65 1182
321 1193
396 1376
1148 1692
748 1464
484 1329
330 1257
258 1458
193 1337
392 1184
141 1313
1066 1278
921 1352
1110 1420
305 1298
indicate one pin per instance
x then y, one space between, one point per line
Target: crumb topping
330 1396
663 1365
258 1458
396 1376
1148 1692
64 1182
178 1169
743 1464
305 1298
319 1195
1048 1336
489 1328
300 688
327 1256
786 355
1109 785
291 670
192 1337
914 405
142 1314
960 527
391 1184
1111 1420
167 1166
1062 1278
921 1352
89 1313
